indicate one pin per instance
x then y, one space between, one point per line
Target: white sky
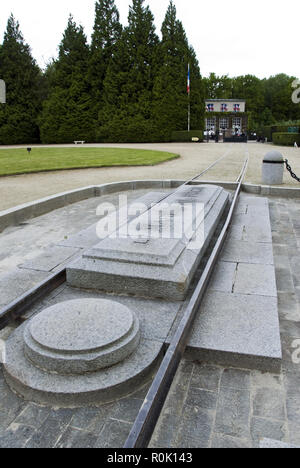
259 37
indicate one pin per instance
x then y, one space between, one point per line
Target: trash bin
273 168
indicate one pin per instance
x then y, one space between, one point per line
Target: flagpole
189 104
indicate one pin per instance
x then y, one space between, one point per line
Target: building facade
227 117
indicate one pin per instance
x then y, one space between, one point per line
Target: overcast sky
259 37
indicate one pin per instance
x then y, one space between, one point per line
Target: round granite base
100 386
81 336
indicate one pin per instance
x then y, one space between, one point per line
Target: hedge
285 128
279 128
185 136
286 139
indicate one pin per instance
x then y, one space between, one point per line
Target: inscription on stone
162 250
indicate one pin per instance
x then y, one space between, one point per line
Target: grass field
18 161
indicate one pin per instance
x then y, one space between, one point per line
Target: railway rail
19 306
147 418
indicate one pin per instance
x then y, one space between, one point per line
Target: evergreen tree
128 86
107 31
171 100
66 112
24 88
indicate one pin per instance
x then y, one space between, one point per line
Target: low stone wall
21 213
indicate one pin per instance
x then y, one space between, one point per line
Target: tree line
127 85
269 100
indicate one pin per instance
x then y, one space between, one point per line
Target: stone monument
153 265
79 352
90 351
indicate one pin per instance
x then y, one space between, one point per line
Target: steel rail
147 418
243 172
19 306
213 164
189 181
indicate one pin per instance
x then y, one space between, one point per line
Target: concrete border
270 191
22 213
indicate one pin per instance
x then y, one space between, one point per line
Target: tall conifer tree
66 112
24 86
107 31
171 100
128 86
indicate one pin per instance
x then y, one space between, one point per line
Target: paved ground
208 406
15 190
211 406
24 242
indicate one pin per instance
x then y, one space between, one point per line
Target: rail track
147 418
19 306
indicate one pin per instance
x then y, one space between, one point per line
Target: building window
237 123
211 124
237 107
210 108
224 124
224 108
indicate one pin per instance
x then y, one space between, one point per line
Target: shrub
185 136
287 127
286 139
268 132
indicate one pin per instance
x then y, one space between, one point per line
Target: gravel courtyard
15 190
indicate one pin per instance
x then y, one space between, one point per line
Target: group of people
212 135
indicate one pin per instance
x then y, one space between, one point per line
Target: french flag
189 81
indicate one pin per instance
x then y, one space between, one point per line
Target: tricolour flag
189 81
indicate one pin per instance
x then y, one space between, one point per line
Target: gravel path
15 190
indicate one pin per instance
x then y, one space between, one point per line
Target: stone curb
22 213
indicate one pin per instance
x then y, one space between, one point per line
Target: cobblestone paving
208 406
27 425
211 406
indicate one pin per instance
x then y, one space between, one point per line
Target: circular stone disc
81 325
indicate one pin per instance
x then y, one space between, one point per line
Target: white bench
79 142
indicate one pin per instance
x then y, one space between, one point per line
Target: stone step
79 353
238 324
154 266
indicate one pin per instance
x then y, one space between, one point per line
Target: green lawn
18 161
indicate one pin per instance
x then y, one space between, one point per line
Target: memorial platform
232 373
153 265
